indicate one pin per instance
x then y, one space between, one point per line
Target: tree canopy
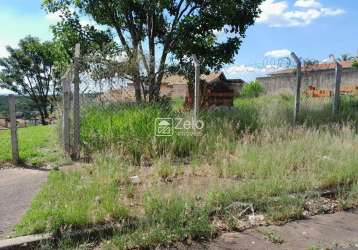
151 31
34 69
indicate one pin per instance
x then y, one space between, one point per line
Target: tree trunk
137 87
153 96
43 113
136 72
154 88
43 118
154 91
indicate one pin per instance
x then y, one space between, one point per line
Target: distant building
217 90
174 86
123 94
4 122
219 78
321 76
177 85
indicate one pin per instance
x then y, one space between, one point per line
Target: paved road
18 187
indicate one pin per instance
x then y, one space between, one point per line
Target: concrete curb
23 242
32 241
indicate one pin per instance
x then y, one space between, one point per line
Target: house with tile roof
321 76
177 86
216 90
174 86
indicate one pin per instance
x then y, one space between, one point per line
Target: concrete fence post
76 105
337 88
196 88
13 126
66 88
298 87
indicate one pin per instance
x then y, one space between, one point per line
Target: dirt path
334 231
18 186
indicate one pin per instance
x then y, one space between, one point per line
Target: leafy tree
252 89
149 31
355 64
34 70
71 31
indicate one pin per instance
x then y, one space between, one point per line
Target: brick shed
216 90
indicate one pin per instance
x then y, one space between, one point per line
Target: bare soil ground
18 186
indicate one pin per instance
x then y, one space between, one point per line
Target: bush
355 64
252 89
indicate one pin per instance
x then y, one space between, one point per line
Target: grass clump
37 146
348 197
72 200
165 221
271 169
248 154
131 129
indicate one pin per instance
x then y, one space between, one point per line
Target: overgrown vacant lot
195 187
37 145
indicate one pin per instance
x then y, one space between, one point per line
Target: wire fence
103 108
101 112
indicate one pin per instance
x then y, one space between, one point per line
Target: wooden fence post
337 90
14 142
298 87
76 104
66 88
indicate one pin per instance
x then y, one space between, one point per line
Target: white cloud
218 32
278 53
279 14
332 12
85 22
3 51
308 4
235 69
223 32
54 17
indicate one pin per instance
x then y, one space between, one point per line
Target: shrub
252 89
355 64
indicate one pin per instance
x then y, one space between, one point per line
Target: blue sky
311 28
